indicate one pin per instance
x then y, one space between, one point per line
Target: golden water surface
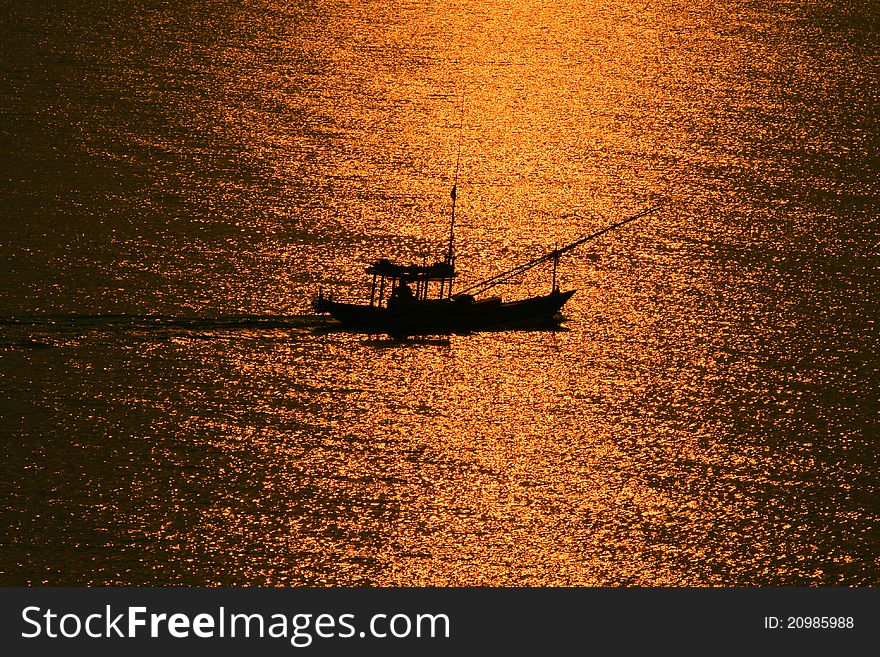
178 179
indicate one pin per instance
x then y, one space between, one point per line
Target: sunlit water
178 179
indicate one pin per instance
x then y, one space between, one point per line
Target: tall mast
450 253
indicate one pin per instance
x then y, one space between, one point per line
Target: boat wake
48 331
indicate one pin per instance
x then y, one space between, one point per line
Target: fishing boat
413 300
401 304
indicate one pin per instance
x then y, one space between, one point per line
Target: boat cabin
394 283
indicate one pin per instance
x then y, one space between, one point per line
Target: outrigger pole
504 276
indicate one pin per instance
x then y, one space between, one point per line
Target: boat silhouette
413 300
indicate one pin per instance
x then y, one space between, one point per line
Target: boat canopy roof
387 269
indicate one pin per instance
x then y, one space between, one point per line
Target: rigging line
488 283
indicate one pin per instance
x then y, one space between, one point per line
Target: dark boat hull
448 315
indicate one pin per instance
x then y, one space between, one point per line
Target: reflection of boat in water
407 300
